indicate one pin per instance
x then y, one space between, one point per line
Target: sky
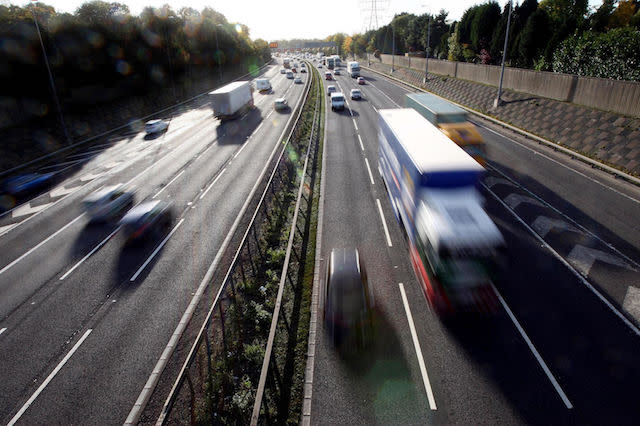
278 19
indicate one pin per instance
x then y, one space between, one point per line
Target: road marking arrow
89 177
26 209
631 302
514 200
61 190
492 180
582 258
542 225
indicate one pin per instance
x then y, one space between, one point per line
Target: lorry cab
452 120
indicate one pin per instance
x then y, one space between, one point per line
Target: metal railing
216 383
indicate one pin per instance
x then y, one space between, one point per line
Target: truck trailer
455 248
353 69
452 120
232 100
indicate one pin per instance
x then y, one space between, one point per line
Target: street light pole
426 52
498 100
393 47
51 82
218 54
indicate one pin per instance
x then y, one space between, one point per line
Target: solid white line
48 379
384 223
103 242
535 352
369 169
354 124
40 244
563 165
3 330
144 265
241 148
416 345
170 182
212 183
578 275
374 108
360 140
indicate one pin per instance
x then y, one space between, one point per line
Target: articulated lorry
232 100
452 120
455 247
353 69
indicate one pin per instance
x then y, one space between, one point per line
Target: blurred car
349 301
150 219
319 65
290 75
283 71
297 80
303 70
336 72
356 94
108 203
360 80
302 65
331 89
22 184
280 104
294 70
327 75
155 126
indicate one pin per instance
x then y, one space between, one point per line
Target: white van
337 101
263 85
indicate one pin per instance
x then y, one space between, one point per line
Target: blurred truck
232 100
353 69
452 120
455 247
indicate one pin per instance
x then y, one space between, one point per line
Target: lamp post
51 82
218 54
426 51
498 101
393 47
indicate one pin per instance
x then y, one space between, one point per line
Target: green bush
614 54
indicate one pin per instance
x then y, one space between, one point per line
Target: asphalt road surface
84 319
563 348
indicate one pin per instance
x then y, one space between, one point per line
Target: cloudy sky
278 19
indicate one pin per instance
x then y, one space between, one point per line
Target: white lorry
263 85
353 69
232 100
455 247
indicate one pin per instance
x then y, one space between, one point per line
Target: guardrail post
209 393
192 409
224 338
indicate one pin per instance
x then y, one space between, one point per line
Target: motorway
84 319
565 345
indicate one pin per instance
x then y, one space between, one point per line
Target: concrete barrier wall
622 97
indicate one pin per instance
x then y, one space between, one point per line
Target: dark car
349 303
24 184
147 220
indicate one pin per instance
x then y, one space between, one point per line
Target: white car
297 80
155 126
331 89
107 203
356 94
283 71
280 104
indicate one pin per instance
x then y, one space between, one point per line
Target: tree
483 24
621 17
599 20
534 37
455 49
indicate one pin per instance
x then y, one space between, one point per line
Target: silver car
108 203
151 219
155 126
